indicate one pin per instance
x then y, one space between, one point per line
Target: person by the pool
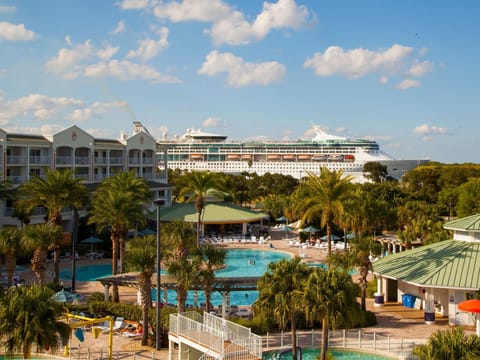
251 262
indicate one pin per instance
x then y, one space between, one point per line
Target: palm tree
325 195
329 296
213 258
10 246
39 239
117 206
141 256
198 186
59 190
29 316
278 288
181 257
449 344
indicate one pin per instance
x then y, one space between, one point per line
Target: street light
158 202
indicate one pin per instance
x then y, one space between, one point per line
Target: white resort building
92 159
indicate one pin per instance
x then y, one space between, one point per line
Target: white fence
349 339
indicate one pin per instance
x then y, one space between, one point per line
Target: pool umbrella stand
472 306
66 296
91 240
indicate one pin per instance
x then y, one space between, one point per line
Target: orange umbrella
472 306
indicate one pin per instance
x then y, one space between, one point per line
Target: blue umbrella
66 296
334 238
146 231
91 240
310 229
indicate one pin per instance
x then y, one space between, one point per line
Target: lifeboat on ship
273 157
196 156
247 157
233 157
289 157
349 158
336 157
304 157
320 157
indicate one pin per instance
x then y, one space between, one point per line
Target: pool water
312 354
239 262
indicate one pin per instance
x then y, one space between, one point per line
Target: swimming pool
239 262
338 354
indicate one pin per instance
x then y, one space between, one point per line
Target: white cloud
383 80
408 84
120 28
230 26
126 70
241 73
148 48
107 52
133 4
426 129
214 122
193 10
68 40
66 62
38 106
12 32
95 110
359 62
235 29
7 9
420 68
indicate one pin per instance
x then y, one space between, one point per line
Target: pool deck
393 319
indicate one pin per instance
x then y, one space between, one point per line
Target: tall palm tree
329 296
117 206
213 257
59 190
325 195
10 247
141 256
39 239
278 288
29 316
198 186
181 257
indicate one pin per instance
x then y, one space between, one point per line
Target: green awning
213 213
447 264
469 223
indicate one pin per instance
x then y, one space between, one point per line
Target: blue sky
404 73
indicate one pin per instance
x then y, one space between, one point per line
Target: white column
429 314
379 295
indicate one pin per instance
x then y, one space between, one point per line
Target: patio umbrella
91 240
349 236
286 228
281 218
472 306
146 231
334 238
310 229
66 296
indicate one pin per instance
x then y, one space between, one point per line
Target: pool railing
211 333
358 339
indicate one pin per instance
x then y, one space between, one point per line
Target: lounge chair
117 325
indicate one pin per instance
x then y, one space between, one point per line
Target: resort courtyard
394 320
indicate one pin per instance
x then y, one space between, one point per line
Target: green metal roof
447 264
469 223
213 213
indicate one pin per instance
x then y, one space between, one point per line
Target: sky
403 73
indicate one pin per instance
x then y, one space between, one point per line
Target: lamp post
158 202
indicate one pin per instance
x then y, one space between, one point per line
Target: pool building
435 277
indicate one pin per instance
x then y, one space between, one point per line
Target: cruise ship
201 151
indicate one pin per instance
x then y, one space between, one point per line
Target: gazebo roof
449 264
213 213
469 223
